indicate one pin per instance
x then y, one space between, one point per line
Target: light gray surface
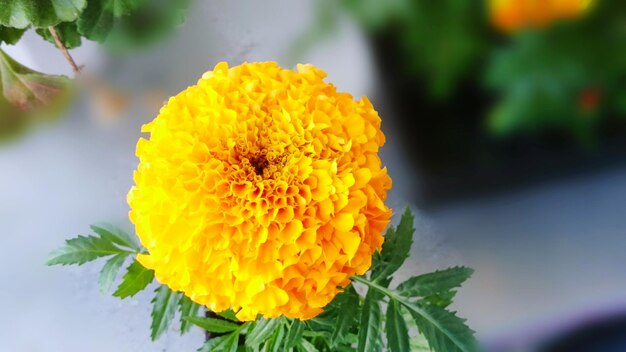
540 254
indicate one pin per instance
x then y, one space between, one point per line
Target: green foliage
350 322
397 331
371 324
164 307
39 13
213 325
438 282
137 277
110 270
396 248
10 35
188 309
68 33
98 18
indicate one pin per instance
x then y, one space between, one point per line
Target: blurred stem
63 48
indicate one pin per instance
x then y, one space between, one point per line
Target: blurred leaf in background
566 77
28 96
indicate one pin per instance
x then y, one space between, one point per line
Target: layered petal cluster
511 15
260 189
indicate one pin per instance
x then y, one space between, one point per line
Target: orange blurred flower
260 189
511 15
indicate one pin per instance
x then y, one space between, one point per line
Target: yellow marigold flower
260 189
511 15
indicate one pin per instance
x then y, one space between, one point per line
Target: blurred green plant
568 75
30 96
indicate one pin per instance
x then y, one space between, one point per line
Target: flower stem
63 48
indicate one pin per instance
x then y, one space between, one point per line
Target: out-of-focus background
506 130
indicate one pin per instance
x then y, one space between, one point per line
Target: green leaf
150 21
228 314
306 346
397 331
226 343
164 307
396 247
96 21
83 249
261 330
39 13
109 272
213 325
436 282
115 235
67 32
10 35
274 344
295 334
136 279
371 324
444 331
347 314
188 308
31 91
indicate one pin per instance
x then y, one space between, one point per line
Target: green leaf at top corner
116 235
137 277
396 248
98 19
67 31
164 307
10 35
31 91
39 13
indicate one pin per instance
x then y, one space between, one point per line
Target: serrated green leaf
188 308
436 282
295 334
444 331
395 326
213 325
39 13
109 272
68 34
137 277
229 314
98 18
31 91
164 307
261 330
83 249
10 35
347 314
274 344
370 327
306 346
396 248
226 343
115 235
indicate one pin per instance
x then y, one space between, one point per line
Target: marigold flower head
260 189
512 15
